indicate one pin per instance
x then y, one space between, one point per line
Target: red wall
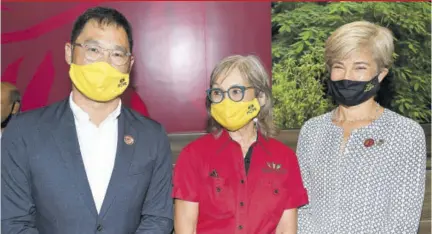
176 47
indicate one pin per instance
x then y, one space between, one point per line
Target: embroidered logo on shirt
274 167
214 174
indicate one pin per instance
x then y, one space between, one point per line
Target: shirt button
242 181
218 189
276 191
241 204
240 227
99 228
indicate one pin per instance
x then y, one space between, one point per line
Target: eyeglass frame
110 51
241 87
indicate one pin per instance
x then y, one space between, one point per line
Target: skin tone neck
97 111
365 110
245 136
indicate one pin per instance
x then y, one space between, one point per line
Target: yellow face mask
234 115
99 81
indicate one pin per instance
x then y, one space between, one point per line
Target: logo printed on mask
234 115
251 109
369 87
351 92
122 83
99 81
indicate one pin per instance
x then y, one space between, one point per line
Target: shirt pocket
218 199
276 194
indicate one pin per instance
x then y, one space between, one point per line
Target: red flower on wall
39 88
177 46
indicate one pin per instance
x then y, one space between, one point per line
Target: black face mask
352 93
6 121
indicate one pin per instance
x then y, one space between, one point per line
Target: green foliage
299 33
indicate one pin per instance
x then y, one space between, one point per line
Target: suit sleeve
157 211
17 206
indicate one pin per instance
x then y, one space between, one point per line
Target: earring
255 120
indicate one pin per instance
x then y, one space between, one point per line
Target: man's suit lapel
66 138
127 138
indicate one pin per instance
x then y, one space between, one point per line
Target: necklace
356 120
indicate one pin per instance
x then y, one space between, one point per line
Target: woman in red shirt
237 178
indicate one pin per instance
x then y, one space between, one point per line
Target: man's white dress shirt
98 145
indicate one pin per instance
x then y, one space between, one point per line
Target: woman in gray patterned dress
363 165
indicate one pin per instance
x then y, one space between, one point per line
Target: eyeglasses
235 93
96 53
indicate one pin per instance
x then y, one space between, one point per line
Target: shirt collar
224 139
81 115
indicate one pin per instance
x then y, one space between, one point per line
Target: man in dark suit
88 164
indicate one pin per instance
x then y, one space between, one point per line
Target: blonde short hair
254 72
360 35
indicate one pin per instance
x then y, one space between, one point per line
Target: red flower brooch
369 142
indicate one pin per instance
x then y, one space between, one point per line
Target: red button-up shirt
211 171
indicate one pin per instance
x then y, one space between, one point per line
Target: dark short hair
103 15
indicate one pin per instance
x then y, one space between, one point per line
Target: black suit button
99 228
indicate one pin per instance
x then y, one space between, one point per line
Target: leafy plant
299 33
